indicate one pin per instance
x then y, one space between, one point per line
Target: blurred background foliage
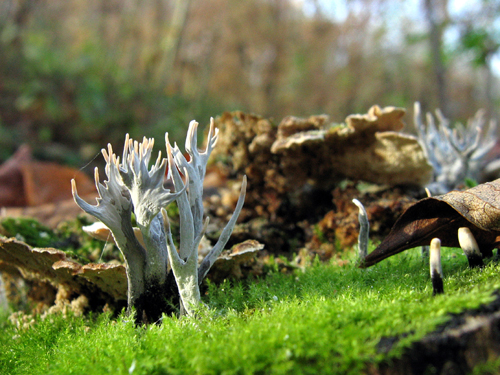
75 74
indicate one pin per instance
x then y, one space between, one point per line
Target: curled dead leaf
28 182
441 217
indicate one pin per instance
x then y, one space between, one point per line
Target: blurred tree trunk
169 46
437 17
272 81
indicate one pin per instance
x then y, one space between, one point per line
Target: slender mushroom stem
435 267
364 229
470 247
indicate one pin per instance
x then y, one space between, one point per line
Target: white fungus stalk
435 267
470 247
364 229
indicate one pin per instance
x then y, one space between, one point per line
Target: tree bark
435 12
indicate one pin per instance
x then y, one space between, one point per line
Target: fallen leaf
49 214
27 182
11 178
46 182
440 217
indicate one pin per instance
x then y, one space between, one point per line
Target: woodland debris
367 147
101 283
27 182
98 282
477 209
238 262
50 214
284 162
340 226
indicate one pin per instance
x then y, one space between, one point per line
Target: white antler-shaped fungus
192 226
132 187
114 209
455 153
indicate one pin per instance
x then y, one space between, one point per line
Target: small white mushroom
435 267
364 229
470 247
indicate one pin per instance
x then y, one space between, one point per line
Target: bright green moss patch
68 236
328 319
29 231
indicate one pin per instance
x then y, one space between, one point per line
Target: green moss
470 183
328 319
80 246
29 231
68 236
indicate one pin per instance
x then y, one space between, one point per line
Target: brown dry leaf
46 182
25 182
11 178
440 217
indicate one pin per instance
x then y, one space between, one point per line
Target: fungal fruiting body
456 152
435 267
159 274
364 229
470 247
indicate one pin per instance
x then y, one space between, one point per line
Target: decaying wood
441 217
285 160
103 281
106 282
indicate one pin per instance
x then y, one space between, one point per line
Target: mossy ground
68 236
327 319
